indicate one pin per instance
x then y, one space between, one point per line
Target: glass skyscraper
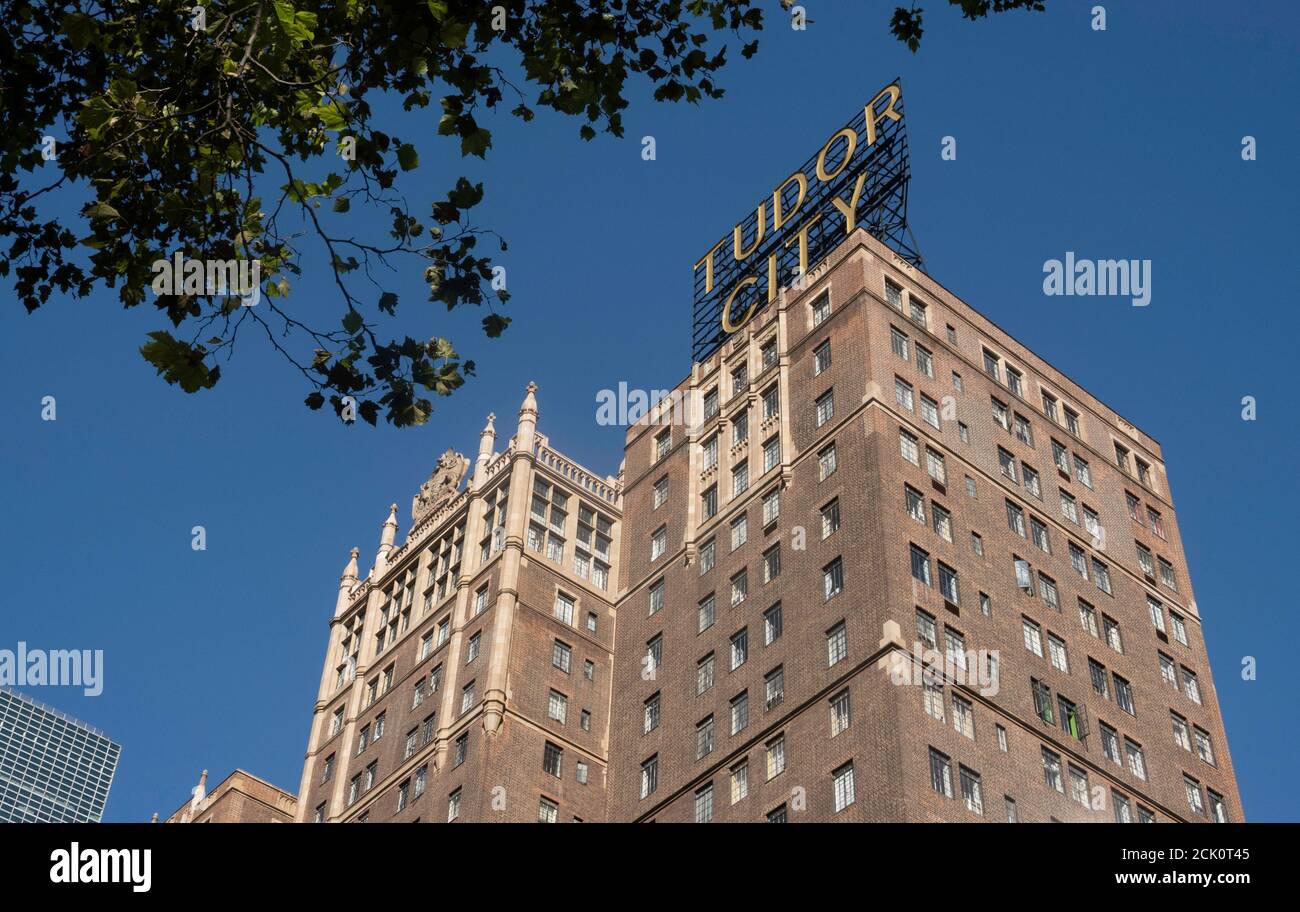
53 768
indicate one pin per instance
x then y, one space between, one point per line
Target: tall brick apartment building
879 466
468 676
874 478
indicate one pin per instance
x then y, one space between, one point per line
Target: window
925 361
1042 701
772 624
1069 509
954 648
1007 465
777 815
1218 808
940 773
952 334
826 462
773 687
894 295
658 542
920 565
992 365
842 780
775 757
710 403
453 806
986 605
650 776
821 309
948 583
1015 381
660 492
740 479
1081 471
963 432
917 311
704 737
1056 649
1180 730
971 792
1167 578
709 501
711 452
564 608
1157 524
1190 685
1100 682
771 506
771 402
557 707
1079 786
740 781
825 407
560 656
830 518
929 411
739 587
1024 431
821 358
1088 617
739 531
1061 458
1049 406
932 699
1039 534
704 674
970 487
903 393
957 382
837 644
915 503
977 545
708 556
1111 627
663 441
832 579
1033 637
772 563
907 445
739 648
1101 576
963 716
1031 480
1180 628
942 522
1015 519
739 712
1157 612
1052 771
841 713
1123 694
925 629
898 342
1001 414
1193 789
467 697
740 428
1072 421
706 613
934 465
771 453
767 354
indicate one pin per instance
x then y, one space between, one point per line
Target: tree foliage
242 134
906 23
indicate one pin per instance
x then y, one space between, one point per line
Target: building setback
239 798
879 466
53 768
878 482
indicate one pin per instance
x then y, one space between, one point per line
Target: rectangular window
830 518
929 411
841 713
771 506
826 462
773 687
704 674
832 579
772 624
898 342
771 454
940 773
1052 771
821 358
739 782
825 407
837 644
650 776
739 648
704 804
925 362
842 780
907 445
971 791
903 393
739 712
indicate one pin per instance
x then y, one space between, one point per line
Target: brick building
468 675
881 471
885 564
239 798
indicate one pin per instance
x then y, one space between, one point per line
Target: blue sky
1123 143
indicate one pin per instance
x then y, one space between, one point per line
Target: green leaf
178 362
407 157
342 204
352 321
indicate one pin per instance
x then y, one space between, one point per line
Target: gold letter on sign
758 235
852 137
893 91
707 262
727 325
779 217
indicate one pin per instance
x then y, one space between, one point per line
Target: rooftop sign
858 179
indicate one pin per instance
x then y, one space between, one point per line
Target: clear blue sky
1124 143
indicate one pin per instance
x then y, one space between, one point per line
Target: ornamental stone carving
441 486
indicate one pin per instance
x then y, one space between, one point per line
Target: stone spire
524 436
486 442
346 582
386 538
